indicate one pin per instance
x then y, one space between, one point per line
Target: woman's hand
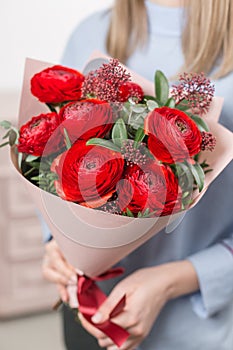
147 291
57 270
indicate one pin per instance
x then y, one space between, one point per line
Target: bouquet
110 161
106 145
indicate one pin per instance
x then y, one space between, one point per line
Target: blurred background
35 29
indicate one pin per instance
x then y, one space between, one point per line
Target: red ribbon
90 297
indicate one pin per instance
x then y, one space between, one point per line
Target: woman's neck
169 3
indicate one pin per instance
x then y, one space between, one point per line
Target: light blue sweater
203 321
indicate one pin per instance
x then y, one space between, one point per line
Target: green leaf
140 134
183 169
201 124
183 106
12 137
147 98
146 212
129 213
29 172
103 143
5 124
67 139
171 103
6 135
119 132
198 175
4 144
161 87
35 178
51 107
20 158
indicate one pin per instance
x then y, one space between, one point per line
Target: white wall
37 29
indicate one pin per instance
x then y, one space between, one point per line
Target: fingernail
97 318
79 272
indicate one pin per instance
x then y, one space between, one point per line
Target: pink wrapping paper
94 241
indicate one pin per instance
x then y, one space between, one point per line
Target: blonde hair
207 38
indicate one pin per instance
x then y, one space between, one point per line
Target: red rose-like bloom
154 187
173 136
41 135
87 174
86 119
57 84
130 89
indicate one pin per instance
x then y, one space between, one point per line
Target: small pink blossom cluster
208 141
133 153
106 81
196 89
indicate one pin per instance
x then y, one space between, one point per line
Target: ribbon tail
90 297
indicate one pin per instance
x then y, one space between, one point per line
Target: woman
179 287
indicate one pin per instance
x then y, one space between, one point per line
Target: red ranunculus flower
86 119
57 84
130 89
153 187
87 174
172 135
41 135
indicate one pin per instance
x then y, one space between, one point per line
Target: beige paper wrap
91 240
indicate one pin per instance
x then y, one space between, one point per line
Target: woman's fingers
61 266
91 329
55 267
54 276
63 293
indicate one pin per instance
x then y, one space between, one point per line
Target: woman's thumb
107 307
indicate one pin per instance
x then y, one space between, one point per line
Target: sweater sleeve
46 233
214 267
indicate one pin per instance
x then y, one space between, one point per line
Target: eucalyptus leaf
5 124
30 158
151 105
119 132
103 143
138 108
161 87
201 124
